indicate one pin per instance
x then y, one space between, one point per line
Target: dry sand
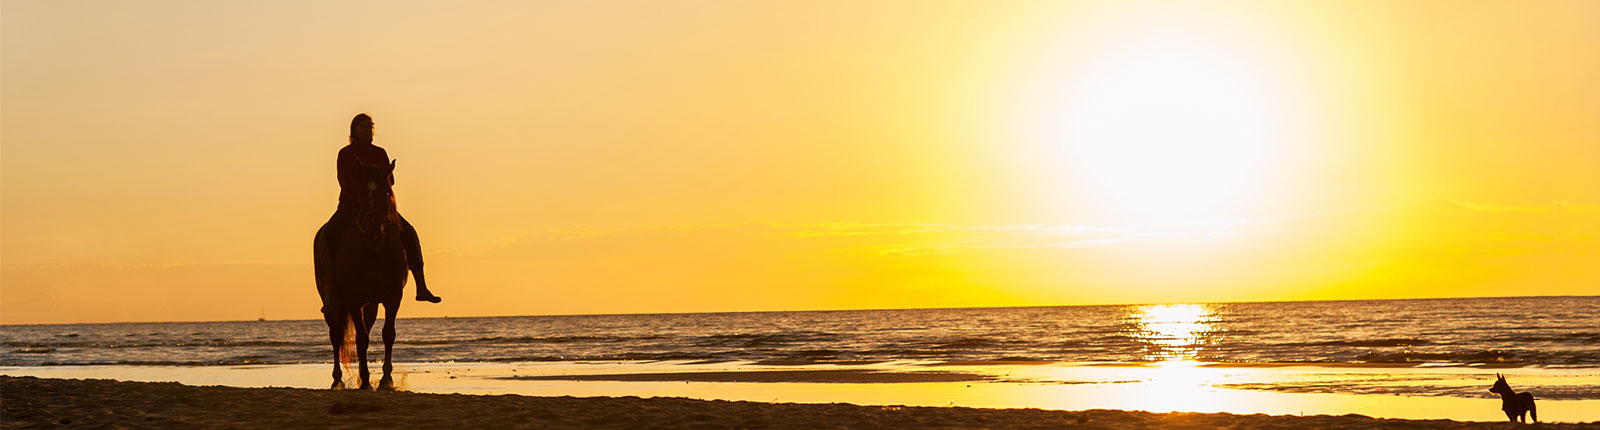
49 403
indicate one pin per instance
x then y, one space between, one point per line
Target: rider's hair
362 120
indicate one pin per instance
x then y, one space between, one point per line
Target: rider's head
361 129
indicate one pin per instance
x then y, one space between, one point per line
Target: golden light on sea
1171 332
1173 335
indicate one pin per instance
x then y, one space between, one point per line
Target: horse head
378 182
380 217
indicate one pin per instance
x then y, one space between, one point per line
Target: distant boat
263 317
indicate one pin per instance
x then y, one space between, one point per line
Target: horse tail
1534 411
347 349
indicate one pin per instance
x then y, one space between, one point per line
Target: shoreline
816 376
921 363
1565 395
36 402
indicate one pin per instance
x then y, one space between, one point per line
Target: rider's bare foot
426 296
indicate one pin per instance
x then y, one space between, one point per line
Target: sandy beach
47 403
737 371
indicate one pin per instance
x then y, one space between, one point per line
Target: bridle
377 227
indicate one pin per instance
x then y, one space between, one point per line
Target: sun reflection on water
1173 337
1171 332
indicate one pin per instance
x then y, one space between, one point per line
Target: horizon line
842 310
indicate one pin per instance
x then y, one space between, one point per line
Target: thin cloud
920 239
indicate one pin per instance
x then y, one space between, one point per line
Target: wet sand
36 403
847 376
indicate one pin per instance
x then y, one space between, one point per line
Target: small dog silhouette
1516 405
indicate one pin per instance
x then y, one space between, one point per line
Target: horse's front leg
361 347
390 310
336 335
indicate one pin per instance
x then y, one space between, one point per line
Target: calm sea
1548 331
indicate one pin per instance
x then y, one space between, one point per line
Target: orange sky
170 160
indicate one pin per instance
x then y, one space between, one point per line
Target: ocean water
1544 332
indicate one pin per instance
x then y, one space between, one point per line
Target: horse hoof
366 386
430 299
386 385
337 385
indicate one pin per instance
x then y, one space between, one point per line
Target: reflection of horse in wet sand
366 268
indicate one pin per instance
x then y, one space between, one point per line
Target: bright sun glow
1170 128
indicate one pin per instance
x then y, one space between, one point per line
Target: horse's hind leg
336 335
369 316
390 310
361 347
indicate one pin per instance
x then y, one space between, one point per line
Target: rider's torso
350 159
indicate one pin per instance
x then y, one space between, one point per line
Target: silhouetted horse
1516 405
368 267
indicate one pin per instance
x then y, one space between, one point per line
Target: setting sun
1178 123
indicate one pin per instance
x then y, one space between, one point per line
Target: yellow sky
166 160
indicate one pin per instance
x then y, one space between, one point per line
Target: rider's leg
330 235
413 248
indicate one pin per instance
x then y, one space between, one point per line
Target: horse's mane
388 225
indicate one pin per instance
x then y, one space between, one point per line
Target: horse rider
351 157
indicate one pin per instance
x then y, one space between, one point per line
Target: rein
379 229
